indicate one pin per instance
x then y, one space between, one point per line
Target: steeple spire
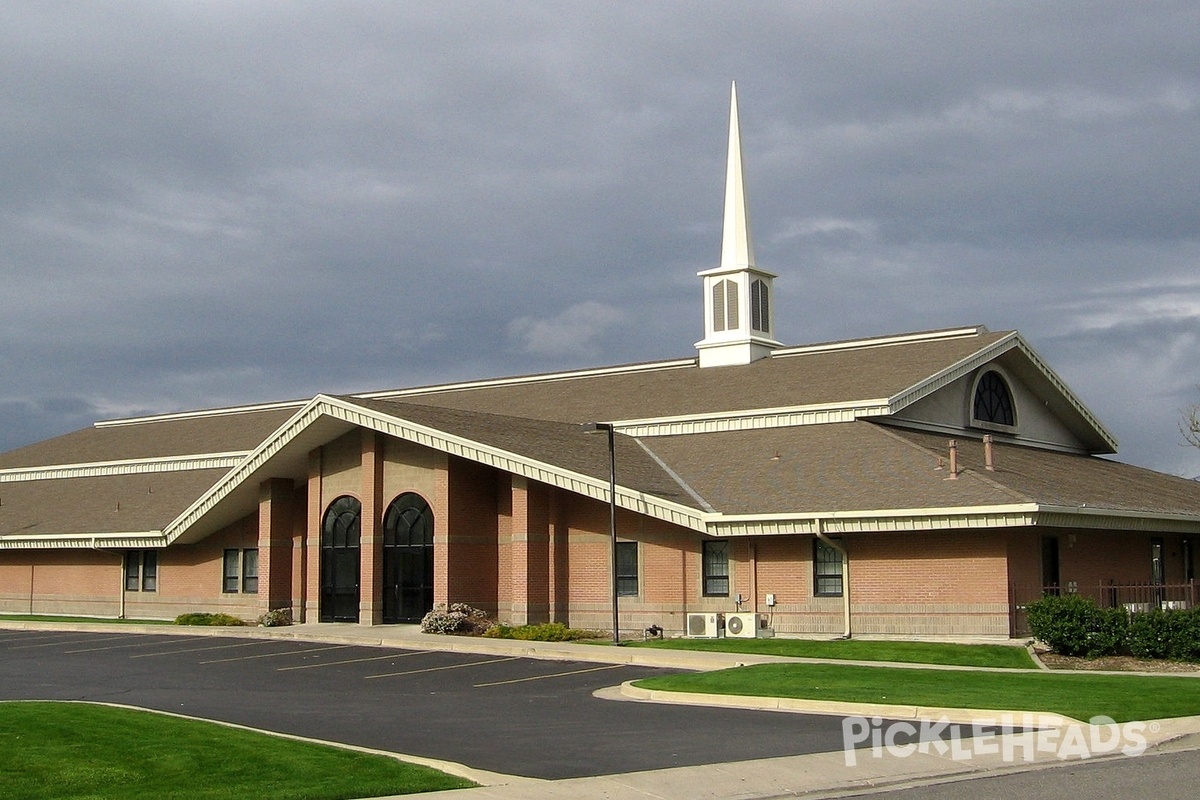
738 316
737 248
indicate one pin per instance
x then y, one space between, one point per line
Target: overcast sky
221 203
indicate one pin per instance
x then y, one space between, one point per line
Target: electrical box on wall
770 600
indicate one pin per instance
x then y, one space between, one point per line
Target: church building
919 484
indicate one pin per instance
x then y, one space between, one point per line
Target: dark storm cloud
222 203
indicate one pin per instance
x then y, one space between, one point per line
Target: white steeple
738 316
737 247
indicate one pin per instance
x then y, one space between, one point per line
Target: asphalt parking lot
506 714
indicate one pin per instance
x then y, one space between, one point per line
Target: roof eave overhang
1018 515
127 540
190 524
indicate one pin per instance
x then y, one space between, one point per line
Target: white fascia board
972 362
1062 387
1118 519
204 413
882 341
758 418
132 466
950 374
880 521
399 428
553 377
93 541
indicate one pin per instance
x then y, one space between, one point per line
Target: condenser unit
704 626
744 625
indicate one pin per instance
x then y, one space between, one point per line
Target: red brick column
312 549
274 544
530 554
371 543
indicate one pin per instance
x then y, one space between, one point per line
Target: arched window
407 559
725 305
341 530
993 401
760 307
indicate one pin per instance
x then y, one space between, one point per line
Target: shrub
1075 626
545 632
456 618
276 617
202 618
1166 634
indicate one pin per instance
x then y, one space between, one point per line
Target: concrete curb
965 716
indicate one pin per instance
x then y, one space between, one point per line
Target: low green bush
1074 625
1166 634
545 632
204 618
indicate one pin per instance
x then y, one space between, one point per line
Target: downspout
845 576
120 576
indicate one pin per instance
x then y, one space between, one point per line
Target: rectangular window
141 570
149 570
229 580
133 570
827 570
715 557
627 569
239 571
250 571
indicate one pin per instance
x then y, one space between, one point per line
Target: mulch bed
1116 664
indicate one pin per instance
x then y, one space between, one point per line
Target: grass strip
65 751
1081 696
957 655
105 620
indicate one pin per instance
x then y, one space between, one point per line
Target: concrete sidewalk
823 774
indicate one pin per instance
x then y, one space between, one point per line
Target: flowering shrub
276 617
457 618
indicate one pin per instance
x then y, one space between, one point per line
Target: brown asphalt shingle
822 377
109 504
222 433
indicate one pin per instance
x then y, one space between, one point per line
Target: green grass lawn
51 618
1081 696
958 655
60 751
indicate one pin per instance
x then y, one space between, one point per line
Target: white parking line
282 653
435 669
116 646
553 675
202 649
72 641
357 660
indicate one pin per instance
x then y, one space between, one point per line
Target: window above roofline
991 403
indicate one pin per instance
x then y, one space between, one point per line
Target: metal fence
1136 598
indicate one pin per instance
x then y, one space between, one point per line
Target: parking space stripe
118 646
72 641
552 675
435 669
357 660
201 649
281 653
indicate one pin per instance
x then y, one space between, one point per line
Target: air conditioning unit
744 625
705 626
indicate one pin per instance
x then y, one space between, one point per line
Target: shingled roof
187 474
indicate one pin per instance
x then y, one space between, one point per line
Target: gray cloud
226 203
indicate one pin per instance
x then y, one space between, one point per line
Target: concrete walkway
823 774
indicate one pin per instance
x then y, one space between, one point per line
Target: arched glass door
407 559
340 534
